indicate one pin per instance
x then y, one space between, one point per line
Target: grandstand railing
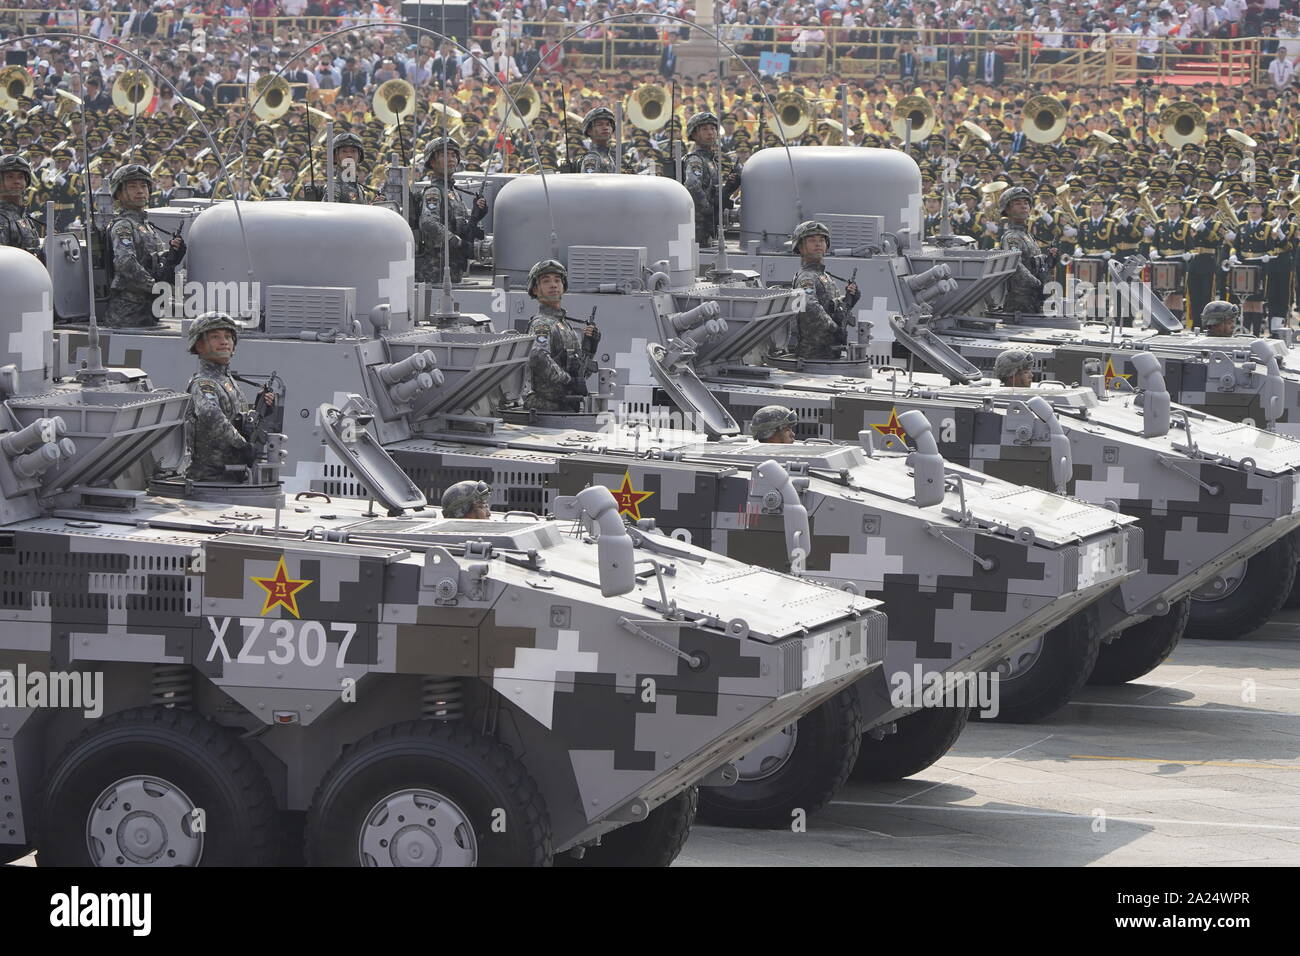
1082 58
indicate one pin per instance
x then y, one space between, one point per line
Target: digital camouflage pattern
18 229
141 257
599 160
556 348
212 438
821 326
700 177
437 204
1024 288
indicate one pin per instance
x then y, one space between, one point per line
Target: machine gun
265 418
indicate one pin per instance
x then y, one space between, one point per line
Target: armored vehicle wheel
1248 599
12 851
1043 676
133 790
424 793
799 768
1142 648
655 842
921 739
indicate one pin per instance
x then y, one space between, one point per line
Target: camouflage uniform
428 258
546 379
700 176
821 324
598 160
1025 285
17 229
346 190
140 258
212 440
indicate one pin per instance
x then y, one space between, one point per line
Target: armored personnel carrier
1005 560
176 671
910 292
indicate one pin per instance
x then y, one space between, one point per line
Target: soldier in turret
1219 319
1014 368
219 430
1024 288
774 425
468 499
441 215
559 362
598 126
822 325
141 256
349 154
17 228
701 173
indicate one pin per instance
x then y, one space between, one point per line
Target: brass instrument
393 101
912 111
1043 119
791 116
452 121
132 92
1068 215
1182 123
969 129
648 107
990 192
68 103
272 96
15 84
526 109
1225 210
1144 201
836 135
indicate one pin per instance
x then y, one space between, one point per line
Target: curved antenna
120 50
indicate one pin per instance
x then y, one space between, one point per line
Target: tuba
132 92
1042 119
527 106
68 104
272 97
914 113
15 84
393 101
1182 123
791 116
647 107
834 133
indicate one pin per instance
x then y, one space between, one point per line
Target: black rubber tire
1141 648
921 739
206 761
476 772
1270 576
1293 599
12 851
655 842
1062 668
824 752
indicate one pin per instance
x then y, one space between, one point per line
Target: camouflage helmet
1009 195
459 500
442 143
1010 362
600 112
13 163
129 173
698 120
1218 312
208 322
810 228
349 139
541 269
770 419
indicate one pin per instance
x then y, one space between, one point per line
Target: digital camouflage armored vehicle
1237 575
442 400
176 672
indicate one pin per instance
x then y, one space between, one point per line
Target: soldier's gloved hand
590 339
1265 258
1106 254
1148 232
851 294
480 208
453 242
991 228
1230 235
1186 257
1233 260
1069 232
1045 216
577 376
178 248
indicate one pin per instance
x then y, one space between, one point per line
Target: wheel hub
143 821
1019 661
1222 584
769 756
417 827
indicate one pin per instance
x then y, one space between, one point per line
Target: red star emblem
892 427
1111 374
629 499
281 590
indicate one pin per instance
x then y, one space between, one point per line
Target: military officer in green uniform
141 255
